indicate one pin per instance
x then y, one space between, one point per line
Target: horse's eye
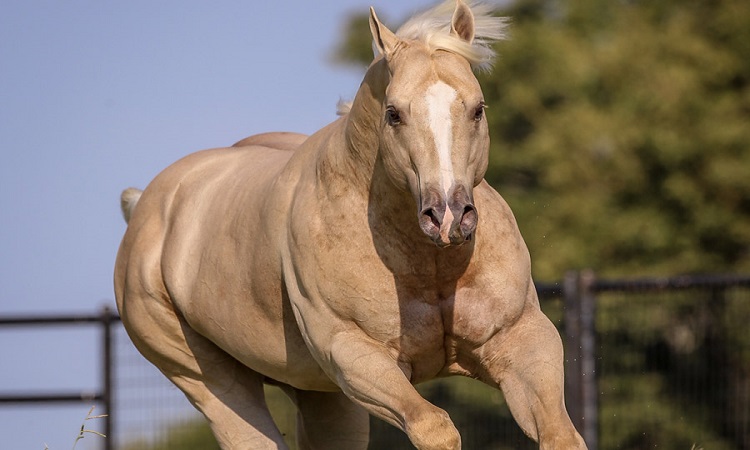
479 112
392 117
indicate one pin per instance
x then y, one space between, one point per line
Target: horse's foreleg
372 378
526 362
329 421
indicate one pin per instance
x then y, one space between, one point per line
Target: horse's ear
462 24
384 39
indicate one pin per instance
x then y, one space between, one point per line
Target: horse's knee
432 429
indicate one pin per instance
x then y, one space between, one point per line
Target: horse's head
434 139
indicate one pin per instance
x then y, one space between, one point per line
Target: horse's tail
128 200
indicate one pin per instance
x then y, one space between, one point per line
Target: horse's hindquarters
203 244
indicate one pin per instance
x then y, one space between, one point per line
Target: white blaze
440 97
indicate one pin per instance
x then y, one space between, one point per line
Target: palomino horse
348 266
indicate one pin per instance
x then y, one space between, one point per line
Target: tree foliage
192 435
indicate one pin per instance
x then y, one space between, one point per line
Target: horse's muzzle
450 222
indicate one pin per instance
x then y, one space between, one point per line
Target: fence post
107 373
581 389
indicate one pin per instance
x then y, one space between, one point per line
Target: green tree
621 135
193 435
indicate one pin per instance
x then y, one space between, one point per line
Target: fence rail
581 296
672 283
105 319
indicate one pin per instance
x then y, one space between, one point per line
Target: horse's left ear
462 24
384 39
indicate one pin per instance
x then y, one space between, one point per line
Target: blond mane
433 28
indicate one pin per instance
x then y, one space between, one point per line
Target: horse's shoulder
498 230
490 201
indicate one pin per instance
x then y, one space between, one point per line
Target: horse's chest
394 315
410 323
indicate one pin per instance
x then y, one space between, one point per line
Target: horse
348 265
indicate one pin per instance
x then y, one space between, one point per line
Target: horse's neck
351 146
363 121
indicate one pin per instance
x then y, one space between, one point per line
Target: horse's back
281 140
206 177
211 177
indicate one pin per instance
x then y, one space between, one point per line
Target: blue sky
98 96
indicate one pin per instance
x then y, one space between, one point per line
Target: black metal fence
657 362
139 404
106 320
650 363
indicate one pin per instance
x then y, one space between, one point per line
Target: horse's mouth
452 242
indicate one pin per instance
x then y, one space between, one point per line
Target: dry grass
82 433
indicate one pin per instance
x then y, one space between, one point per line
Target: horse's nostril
469 219
430 222
432 214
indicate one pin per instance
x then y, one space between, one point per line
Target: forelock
433 26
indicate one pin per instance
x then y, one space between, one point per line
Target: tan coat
345 267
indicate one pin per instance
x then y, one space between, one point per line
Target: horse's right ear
384 39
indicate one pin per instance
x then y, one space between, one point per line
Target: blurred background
620 137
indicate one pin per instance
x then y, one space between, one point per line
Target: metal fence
140 405
103 394
658 362
650 363
671 358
